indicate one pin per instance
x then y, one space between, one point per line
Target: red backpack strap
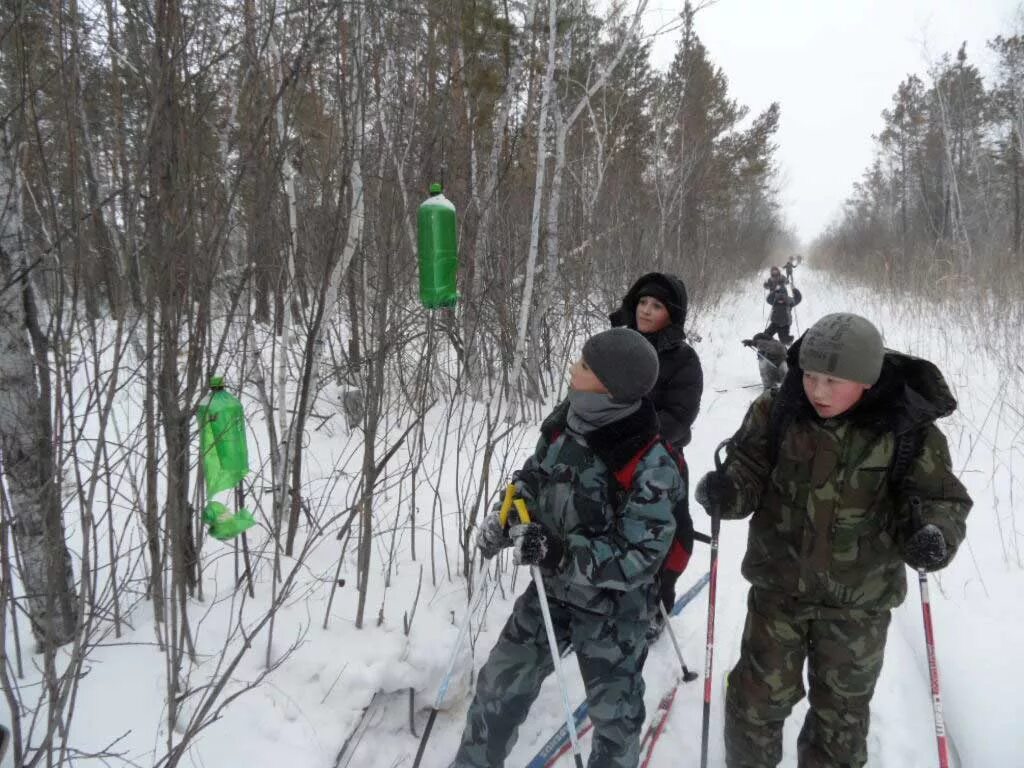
677 558
624 475
676 454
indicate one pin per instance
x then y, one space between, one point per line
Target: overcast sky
833 65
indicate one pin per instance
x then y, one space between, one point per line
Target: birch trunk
538 193
26 453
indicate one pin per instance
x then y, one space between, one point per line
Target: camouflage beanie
845 346
624 361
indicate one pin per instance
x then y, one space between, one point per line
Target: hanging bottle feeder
438 253
225 458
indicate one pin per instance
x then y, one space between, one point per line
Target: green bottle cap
216 382
435 188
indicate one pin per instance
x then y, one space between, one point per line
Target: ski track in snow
307 709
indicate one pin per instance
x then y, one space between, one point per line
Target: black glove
926 548
716 492
492 537
748 342
535 545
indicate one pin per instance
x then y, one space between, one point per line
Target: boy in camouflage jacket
599 548
830 534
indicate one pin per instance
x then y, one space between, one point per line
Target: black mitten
926 548
716 492
535 545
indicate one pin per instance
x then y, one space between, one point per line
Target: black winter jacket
782 306
676 395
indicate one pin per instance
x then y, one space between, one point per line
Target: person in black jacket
656 307
782 313
775 280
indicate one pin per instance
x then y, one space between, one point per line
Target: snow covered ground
310 705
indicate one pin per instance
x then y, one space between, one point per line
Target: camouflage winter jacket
827 526
614 540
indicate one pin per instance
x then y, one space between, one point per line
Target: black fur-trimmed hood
626 313
909 393
616 443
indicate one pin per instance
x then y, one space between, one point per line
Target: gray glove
491 536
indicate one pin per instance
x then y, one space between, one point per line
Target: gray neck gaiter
590 410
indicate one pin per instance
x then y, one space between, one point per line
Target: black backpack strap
778 422
681 512
906 449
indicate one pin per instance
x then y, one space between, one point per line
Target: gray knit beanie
843 345
624 361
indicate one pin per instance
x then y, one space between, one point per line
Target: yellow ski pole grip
524 516
506 504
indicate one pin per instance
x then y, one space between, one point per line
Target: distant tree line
942 204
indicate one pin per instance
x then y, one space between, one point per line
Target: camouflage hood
909 393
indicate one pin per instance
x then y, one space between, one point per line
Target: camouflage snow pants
611 656
844 658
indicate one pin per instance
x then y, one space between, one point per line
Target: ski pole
764 357
446 680
933 669
688 675
538 581
716 521
929 641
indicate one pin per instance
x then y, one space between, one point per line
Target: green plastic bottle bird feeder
438 251
225 459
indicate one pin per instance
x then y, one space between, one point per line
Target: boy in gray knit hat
601 489
848 480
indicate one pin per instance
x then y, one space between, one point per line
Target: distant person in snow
599 540
655 305
848 479
789 267
771 359
782 313
775 280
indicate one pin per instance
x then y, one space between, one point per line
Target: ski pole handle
719 461
506 504
509 502
524 515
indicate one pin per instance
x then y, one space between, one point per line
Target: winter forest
193 189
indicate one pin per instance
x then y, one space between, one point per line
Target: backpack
682 543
